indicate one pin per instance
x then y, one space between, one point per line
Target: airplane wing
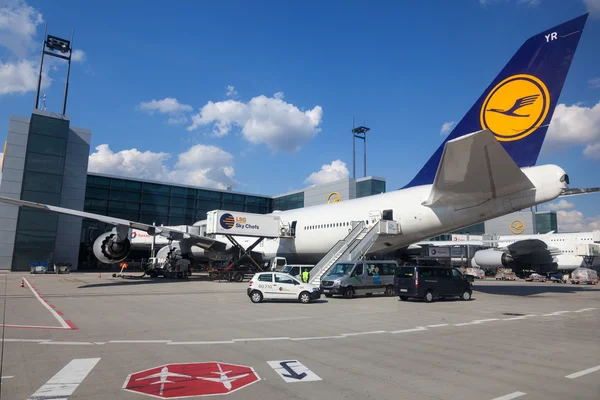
169 233
444 243
578 191
474 169
157 375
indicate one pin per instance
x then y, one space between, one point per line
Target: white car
277 285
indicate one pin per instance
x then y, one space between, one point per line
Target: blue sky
297 74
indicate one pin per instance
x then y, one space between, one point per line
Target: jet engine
109 250
491 258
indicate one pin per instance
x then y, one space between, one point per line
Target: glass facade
369 187
289 202
546 222
149 202
42 183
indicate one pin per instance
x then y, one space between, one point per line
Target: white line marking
510 396
466 323
208 342
419 328
481 321
139 341
531 315
584 372
54 313
318 337
63 384
99 343
26 340
437 326
363 333
8 377
514 318
69 343
585 309
261 339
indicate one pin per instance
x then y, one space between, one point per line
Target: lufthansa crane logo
333 197
515 107
517 227
227 221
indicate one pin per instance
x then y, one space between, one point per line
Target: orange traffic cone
22 282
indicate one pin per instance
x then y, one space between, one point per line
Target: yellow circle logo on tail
515 107
517 227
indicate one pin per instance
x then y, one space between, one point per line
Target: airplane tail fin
518 105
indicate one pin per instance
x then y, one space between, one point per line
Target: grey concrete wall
10 186
501 225
316 195
73 195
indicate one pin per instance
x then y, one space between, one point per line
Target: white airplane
164 374
223 378
484 169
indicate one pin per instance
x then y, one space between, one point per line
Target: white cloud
574 125
168 105
447 127
18 24
328 173
269 120
78 55
231 92
279 95
594 83
593 6
562 204
21 77
574 221
200 165
181 119
592 151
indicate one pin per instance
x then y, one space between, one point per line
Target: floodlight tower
55 47
359 133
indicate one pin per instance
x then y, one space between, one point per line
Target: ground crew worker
305 276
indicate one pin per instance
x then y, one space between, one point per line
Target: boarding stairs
353 247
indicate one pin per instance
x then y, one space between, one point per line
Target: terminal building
45 161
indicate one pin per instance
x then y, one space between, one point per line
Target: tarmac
80 336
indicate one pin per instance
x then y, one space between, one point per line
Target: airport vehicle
360 277
237 270
280 286
484 169
428 283
506 274
167 267
584 276
559 278
535 277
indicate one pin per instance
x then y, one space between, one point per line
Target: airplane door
293 229
388 215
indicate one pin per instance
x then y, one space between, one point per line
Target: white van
360 277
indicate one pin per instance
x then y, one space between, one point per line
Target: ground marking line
60 320
510 396
138 341
417 329
585 309
8 377
69 343
261 339
318 337
65 382
466 323
363 333
513 318
436 326
584 372
206 342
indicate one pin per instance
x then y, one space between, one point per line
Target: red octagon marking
175 381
